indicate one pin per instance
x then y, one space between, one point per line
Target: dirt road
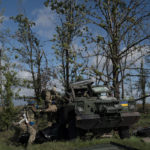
104 147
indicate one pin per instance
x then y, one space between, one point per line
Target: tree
71 20
31 52
143 79
8 82
123 24
1 39
7 79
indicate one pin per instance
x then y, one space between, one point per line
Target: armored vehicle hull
91 122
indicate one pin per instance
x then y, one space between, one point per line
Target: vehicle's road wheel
72 133
23 139
81 133
71 121
124 132
62 132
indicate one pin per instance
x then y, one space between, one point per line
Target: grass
72 145
144 121
77 144
69 145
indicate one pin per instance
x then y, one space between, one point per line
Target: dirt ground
103 147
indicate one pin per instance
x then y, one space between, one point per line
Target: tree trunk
38 94
143 84
67 71
122 84
0 67
116 79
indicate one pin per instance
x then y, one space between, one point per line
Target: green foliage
25 34
31 53
72 19
10 82
96 71
7 95
6 117
144 120
118 24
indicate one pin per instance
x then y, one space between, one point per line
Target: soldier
31 121
27 122
55 94
21 125
50 107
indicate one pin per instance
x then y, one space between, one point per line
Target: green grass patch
79 144
4 146
69 145
144 121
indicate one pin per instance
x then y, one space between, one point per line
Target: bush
140 108
6 118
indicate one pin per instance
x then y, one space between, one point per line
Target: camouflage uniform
20 126
55 95
23 127
50 109
32 127
27 123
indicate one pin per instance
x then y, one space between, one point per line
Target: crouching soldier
20 125
50 107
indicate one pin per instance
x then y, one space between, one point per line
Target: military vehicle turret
93 109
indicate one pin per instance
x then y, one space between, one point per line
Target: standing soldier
27 122
55 95
50 107
31 121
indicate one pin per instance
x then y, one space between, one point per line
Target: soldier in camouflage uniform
50 107
55 96
32 126
21 125
27 122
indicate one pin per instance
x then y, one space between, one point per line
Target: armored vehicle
93 109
